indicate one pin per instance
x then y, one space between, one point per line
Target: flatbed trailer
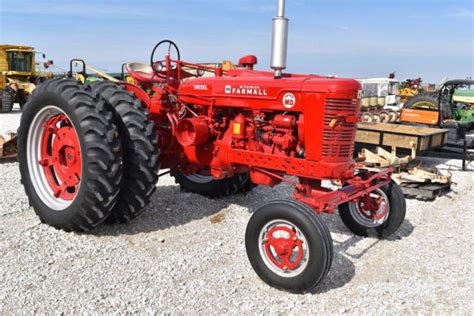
404 137
410 139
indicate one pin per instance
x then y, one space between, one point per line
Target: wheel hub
372 209
61 157
286 253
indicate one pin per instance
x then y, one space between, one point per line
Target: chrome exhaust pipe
279 40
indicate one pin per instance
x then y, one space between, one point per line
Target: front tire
366 218
69 156
289 246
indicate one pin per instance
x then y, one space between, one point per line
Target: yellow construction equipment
19 74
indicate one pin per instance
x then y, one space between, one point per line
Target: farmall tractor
91 153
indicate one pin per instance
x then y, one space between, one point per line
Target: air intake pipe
279 40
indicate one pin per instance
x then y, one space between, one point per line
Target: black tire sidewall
421 98
215 188
395 218
318 251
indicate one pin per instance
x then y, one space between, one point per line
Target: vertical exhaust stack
279 40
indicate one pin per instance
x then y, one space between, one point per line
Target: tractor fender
139 93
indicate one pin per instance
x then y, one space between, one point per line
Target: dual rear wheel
87 154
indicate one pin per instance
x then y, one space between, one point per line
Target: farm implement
92 153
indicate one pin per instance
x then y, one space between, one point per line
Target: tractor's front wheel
69 155
377 214
203 183
289 246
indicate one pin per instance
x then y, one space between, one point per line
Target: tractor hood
255 89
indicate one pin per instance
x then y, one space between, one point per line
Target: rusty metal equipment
8 147
90 153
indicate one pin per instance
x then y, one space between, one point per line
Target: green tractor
451 106
452 103
464 99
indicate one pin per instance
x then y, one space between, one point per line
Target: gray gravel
179 257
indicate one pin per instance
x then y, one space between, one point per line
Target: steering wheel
157 65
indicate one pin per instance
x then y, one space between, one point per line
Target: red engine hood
255 89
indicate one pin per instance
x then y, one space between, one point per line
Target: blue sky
351 38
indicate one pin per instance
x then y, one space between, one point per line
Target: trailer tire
351 215
305 271
207 186
367 117
140 151
69 156
6 101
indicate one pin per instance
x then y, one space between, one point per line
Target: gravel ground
186 254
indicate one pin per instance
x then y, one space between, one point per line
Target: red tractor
92 153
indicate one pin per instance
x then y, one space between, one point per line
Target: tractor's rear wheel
69 155
423 101
203 183
289 246
377 214
6 101
22 98
140 150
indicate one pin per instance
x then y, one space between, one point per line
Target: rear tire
22 98
207 186
6 101
422 101
282 261
359 224
66 134
140 151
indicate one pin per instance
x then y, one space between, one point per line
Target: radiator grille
338 141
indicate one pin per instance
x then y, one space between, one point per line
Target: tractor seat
142 73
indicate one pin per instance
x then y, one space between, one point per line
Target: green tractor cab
450 107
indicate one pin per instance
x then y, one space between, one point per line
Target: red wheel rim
371 207
60 157
281 250
371 210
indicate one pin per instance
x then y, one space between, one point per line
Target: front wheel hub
283 248
372 209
